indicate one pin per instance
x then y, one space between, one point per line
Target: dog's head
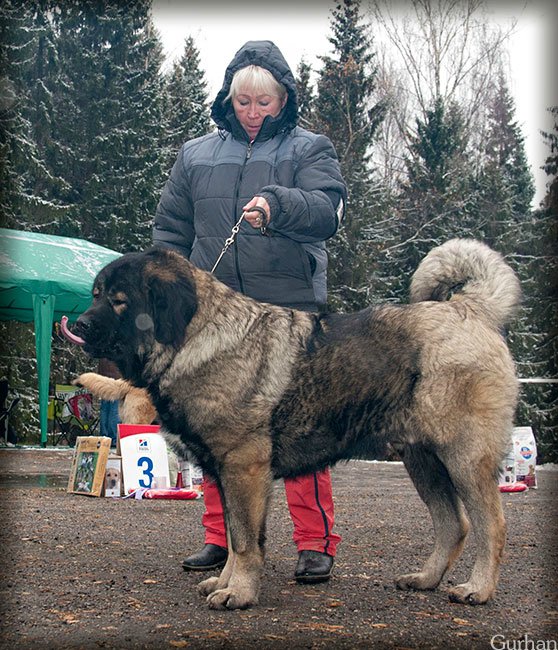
112 477
138 300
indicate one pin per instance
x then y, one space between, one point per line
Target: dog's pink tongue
69 335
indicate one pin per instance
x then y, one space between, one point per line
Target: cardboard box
89 462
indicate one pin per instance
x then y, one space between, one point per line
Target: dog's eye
118 300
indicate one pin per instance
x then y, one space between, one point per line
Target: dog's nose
82 324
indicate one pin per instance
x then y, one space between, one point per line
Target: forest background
91 121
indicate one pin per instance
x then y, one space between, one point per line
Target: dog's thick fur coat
258 392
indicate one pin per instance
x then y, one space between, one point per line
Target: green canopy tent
42 278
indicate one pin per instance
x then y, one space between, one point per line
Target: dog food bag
507 468
192 475
525 451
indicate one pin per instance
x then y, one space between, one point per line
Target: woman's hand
253 217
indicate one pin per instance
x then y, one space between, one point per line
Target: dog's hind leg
436 489
477 486
246 493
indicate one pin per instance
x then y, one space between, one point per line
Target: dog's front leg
221 581
246 491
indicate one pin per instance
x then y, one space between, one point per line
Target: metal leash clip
235 230
229 241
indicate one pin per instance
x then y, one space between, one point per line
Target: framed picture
89 464
113 477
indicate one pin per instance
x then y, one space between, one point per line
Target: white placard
145 461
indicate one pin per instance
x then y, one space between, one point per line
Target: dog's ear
174 303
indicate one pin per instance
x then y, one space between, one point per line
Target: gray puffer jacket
295 170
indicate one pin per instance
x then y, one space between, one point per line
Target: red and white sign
145 462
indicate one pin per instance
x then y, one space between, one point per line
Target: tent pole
43 311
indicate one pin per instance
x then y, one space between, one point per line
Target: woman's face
251 109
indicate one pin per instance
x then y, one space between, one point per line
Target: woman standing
287 182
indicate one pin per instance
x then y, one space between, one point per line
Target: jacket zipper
235 249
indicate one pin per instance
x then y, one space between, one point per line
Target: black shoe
313 567
210 557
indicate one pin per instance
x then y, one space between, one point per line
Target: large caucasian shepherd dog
258 392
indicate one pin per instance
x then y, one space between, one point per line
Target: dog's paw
469 595
231 599
419 581
208 586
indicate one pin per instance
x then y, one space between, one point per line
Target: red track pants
310 502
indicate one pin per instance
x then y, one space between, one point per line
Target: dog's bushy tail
469 271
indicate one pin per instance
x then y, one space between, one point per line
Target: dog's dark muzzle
96 340
82 326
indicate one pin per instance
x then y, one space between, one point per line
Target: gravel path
82 572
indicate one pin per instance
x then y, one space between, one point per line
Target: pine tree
534 337
187 100
345 111
305 95
27 184
13 129
505 183
434 202
551 164
82 140
109 118
527 238
437 146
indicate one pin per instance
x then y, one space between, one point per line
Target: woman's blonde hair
256 79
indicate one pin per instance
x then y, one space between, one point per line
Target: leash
235 230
